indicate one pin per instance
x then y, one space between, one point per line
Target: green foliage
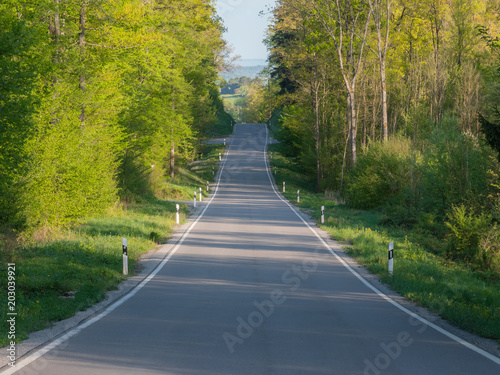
384 170
455 171
490 250
465 234
292 131
70 168
433 192
21 65
492 133
223 124
253 100
89 117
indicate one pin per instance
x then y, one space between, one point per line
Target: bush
454 172
383 171
466 230
490 249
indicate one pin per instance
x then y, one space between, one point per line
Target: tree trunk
55 31
317 135
352 117
343 164
364 114
57 24
354 131
318 163
385 131
172 161
376 11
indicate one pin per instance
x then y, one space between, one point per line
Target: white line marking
380 293
52 345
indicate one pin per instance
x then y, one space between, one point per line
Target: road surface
252 290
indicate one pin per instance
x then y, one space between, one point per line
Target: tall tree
347 25
381 13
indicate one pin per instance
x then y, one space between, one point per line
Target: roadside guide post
125 256
391 256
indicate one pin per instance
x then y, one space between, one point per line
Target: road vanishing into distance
253 290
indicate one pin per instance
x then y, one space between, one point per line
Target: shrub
466 230
382 172
490 249
454 171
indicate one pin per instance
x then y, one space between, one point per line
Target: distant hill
247 68
244 71
251 62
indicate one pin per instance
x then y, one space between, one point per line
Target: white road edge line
377 291
52 345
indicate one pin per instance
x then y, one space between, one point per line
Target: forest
99 102
393 106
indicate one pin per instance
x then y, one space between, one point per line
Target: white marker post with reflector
322 214
194 205
125 256
391 256
201 195
283 186
177 214
298 196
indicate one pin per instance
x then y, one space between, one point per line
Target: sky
246 29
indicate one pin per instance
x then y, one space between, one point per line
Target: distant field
231 98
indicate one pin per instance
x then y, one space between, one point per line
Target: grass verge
455 292
74 269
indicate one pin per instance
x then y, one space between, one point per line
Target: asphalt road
252 290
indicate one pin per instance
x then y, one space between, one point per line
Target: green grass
455 292
86 261
231 97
